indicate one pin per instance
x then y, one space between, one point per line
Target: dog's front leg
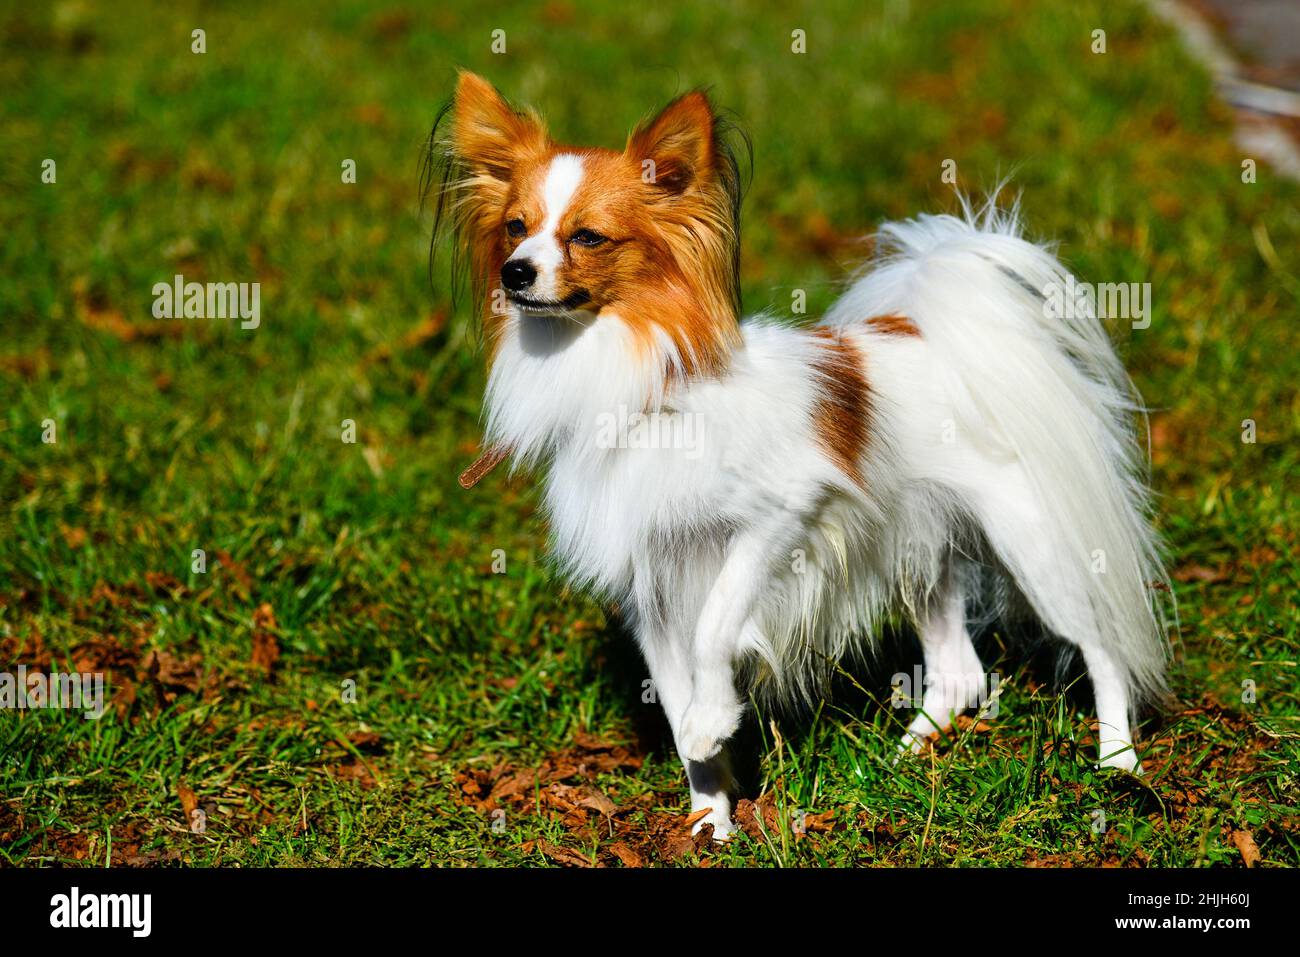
715 708
668 656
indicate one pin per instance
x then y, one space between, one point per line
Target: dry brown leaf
597 801
819 823
681 842
564 855
243 580
162 582
172 672
189 802
1201 573
520 783
367 742
266 647
354 771
1245 842
697 816
629 857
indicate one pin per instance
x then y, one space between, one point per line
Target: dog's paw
723 828
705 728
1120 754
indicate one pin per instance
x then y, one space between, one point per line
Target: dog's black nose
517 275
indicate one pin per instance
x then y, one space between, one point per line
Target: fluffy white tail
1045 390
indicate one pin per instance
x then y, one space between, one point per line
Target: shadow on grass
862 688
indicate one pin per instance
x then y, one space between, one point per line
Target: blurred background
328 561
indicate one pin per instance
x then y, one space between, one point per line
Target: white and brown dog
938 429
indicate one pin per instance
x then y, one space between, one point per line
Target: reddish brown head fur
665 212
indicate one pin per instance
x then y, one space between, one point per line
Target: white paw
722 826
1120 754
705 728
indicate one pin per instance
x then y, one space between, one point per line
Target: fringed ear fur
688 157
471 167
690 177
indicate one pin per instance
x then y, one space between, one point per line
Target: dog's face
571 231
555 230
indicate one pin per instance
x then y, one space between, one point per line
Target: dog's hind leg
954 678
1114 737
1016 527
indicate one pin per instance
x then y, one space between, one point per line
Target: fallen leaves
172 674
29 649
355 767
119 619
367 742
564 855
626 855
566 787
94 312
1240 569
266 647
680 842
488 790
589 797
563 787
355 771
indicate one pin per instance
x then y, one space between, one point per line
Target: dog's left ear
679 142
488 135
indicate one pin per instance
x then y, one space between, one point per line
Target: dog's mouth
551 307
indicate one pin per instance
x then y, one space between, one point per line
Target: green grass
182 435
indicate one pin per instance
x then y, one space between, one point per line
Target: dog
942 445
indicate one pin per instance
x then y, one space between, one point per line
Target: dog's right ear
489 137
470 167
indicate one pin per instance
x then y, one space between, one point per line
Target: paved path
1264 33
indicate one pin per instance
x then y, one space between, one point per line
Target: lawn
367 664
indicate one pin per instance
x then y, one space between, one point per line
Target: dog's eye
516 228
587 237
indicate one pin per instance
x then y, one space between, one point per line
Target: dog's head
647 235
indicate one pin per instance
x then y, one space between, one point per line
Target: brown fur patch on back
894 325
842 417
